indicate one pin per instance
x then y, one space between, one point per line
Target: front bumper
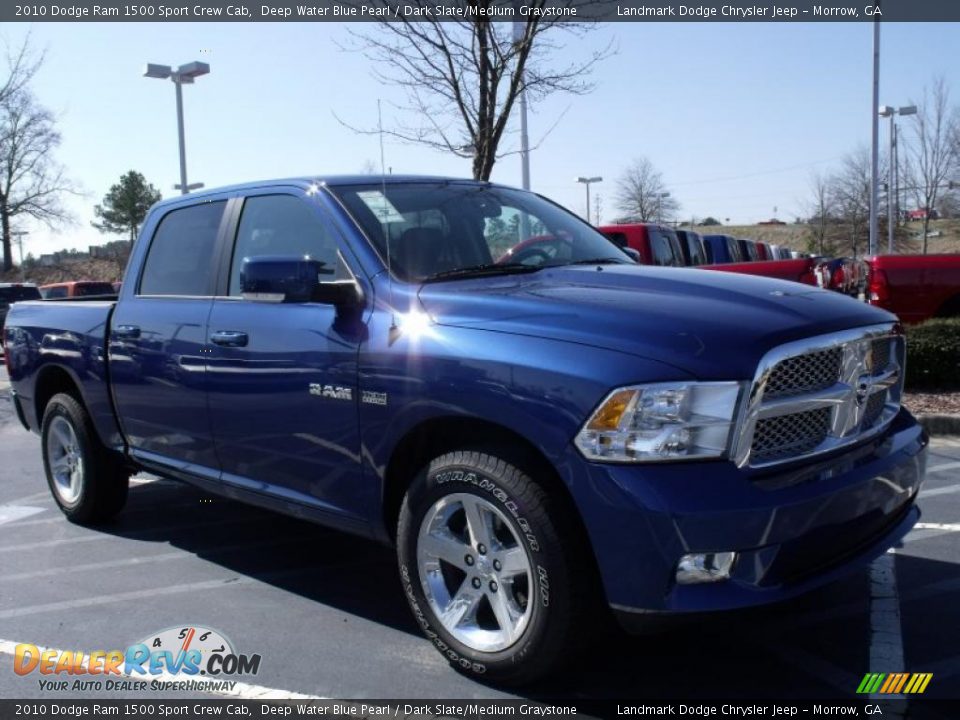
794 528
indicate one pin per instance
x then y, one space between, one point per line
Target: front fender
540 390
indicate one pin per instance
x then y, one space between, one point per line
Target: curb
940 424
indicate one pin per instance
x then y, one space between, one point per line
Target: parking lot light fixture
183 75
587 181
888 111
660 198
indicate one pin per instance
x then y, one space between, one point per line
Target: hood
713 325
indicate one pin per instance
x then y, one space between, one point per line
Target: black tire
560 579
98 488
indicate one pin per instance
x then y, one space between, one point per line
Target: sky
737 116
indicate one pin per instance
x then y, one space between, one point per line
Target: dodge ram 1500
542 438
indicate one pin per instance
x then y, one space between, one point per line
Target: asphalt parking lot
326 613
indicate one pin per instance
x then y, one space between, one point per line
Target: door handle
127 332
229 338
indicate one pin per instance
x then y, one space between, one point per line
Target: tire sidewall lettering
483 483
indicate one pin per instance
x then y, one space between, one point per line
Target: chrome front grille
805 373
820 394
789 435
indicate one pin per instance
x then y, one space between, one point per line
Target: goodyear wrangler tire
490 566
87 481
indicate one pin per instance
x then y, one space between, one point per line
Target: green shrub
933 355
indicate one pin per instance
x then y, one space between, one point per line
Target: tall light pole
875 141
660 197
587 181
20 234
183 75
891 112
519 31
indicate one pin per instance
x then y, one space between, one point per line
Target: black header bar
459 10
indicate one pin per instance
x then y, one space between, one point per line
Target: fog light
705 567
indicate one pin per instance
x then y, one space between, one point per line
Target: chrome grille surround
820 394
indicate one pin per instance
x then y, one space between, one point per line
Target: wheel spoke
497 567
462 604
514 562
478 520
61 464
63 437
447 548
505 617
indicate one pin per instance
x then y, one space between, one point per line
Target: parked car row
914 287
77 288
17 292
660 245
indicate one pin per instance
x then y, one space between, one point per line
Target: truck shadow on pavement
816 646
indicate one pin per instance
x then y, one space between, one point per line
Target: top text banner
461 10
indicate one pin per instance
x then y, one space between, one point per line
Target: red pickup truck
801 270
915 287
657 244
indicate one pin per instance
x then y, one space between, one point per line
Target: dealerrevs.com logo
178 658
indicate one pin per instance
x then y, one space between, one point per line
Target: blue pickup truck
545 431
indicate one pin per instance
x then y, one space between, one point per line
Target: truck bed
62 336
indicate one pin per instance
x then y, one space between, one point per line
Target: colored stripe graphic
894 683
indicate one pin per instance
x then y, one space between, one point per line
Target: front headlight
666 421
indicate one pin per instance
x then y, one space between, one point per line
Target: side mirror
633 253
294 279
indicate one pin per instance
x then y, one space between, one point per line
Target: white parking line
240 690
944 467
946 527
233 581
202 553
11 513
946 490
886 640
139 535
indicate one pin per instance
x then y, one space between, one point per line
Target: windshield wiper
484 269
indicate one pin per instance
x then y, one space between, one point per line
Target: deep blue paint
722 249
533 354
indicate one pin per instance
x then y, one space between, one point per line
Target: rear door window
180 259
696 248
662 247
733 247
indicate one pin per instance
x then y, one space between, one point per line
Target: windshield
437 230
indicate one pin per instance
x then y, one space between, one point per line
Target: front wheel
491 567
88 482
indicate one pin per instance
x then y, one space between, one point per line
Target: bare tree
641 194
463 77
31 183
933 156
850 189
821 209
22 65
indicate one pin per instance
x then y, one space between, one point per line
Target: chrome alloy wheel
66 460
475 573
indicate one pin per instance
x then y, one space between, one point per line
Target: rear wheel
491 567
88 482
